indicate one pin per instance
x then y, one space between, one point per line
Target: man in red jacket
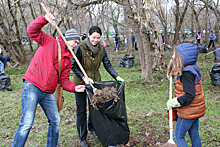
41 79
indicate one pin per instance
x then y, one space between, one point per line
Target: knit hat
72 35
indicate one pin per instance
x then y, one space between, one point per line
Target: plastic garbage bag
167 48
127 61
110 119
5 82
215 74
202 48
217 53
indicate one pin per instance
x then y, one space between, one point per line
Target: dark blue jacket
212 36
133 39
4 59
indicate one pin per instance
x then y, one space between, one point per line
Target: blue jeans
1 67
117 47
187 125
31 96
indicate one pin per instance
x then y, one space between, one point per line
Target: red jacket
43 68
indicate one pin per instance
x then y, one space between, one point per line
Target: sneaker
94 134
83 143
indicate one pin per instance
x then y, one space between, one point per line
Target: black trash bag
215 74
5 82
202 48
127 61
109 120
167 48
217 53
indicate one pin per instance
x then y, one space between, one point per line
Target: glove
172 103
86 81
168 77
119 79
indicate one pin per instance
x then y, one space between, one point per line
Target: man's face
73 43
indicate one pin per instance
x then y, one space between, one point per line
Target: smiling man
41 78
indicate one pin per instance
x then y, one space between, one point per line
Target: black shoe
83 143
94 134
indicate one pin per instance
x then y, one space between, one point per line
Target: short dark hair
95 29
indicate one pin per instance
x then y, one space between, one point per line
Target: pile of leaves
105 94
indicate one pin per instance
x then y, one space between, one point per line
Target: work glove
119 79
172 103
168 77
86 81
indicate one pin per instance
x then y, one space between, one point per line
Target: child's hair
175 66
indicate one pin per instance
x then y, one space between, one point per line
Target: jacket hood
188 52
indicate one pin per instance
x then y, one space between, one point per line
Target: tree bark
140 34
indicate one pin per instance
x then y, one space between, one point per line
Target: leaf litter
105 94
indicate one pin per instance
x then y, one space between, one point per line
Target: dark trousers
211 42
198 42
81 122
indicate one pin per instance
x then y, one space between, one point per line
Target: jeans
1 67
117 47
81 114
187 125
31 96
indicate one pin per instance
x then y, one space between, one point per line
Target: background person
117 39
198 38
126 43
212 37
84 36
189 96
90 54
3 61
41 79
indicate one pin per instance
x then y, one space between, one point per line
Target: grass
145 102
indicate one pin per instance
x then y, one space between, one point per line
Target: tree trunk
140 34
159 61
128 33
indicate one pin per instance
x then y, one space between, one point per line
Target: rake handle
171 112
69 48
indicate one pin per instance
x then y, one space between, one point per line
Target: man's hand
80 88
49 17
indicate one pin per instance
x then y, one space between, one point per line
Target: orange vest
197 108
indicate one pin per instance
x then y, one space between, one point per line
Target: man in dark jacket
3 61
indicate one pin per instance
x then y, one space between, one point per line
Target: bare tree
179 17
214 6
